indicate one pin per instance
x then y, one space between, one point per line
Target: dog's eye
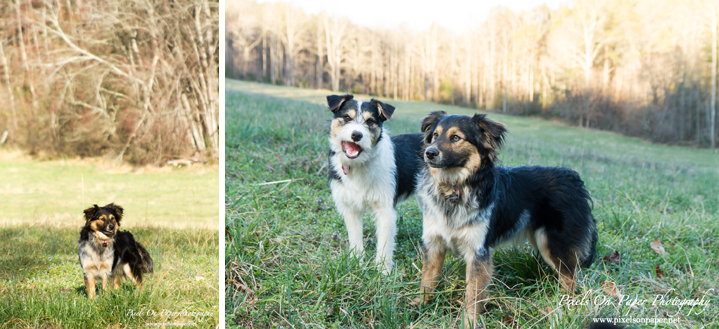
347 118
435 135
455 138
370 122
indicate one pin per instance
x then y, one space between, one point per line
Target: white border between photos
221 226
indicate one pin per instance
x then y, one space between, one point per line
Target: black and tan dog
472 206
108 253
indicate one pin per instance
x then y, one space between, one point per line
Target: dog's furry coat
471 206
107 253
370 171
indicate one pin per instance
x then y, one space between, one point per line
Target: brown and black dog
108 253
472 206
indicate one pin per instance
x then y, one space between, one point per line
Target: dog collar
345 170
454 197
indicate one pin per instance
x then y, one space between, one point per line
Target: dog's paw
386 270
386 266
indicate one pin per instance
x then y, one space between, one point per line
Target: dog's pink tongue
351 149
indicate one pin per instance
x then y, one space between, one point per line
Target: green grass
287 245
41 281
172 212
55 192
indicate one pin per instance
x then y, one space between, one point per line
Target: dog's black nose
111 227
431 154
356 136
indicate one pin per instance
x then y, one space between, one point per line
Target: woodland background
644 68
135 80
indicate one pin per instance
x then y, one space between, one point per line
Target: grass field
173 213
55 192
286 244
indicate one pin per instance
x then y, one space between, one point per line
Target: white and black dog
369 170
471 206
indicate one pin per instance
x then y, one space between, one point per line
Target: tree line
643 68
136 80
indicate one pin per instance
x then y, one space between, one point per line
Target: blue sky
455 15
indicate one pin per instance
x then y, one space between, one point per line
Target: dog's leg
115 281
353 221
386 223
138 279
434 251
128 273
90 285
104 282
565 266
479 275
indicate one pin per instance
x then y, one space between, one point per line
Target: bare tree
292 32
713 15
335 32
320 55
244 29
589 19
6 75
137 79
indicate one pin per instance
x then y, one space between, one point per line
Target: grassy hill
286 253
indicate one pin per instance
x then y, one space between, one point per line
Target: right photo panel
465 164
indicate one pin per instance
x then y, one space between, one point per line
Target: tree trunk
605 72
273 62
531 80
265 53
468 72
6 70
23 56
407 75
319 69
712 109
395 75
505 75
281 73
290 66
490 98
245 57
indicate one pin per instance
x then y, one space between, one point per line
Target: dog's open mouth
351 150
109 232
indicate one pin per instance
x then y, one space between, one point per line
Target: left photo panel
109 163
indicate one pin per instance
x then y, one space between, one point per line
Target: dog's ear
429 123
117 210
491 132
334 102
385 110
90 212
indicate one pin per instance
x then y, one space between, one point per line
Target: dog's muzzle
430 154
433 158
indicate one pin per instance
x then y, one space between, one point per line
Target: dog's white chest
465 240
362 191
94 263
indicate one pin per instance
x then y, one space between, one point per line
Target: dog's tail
146 259
589 259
